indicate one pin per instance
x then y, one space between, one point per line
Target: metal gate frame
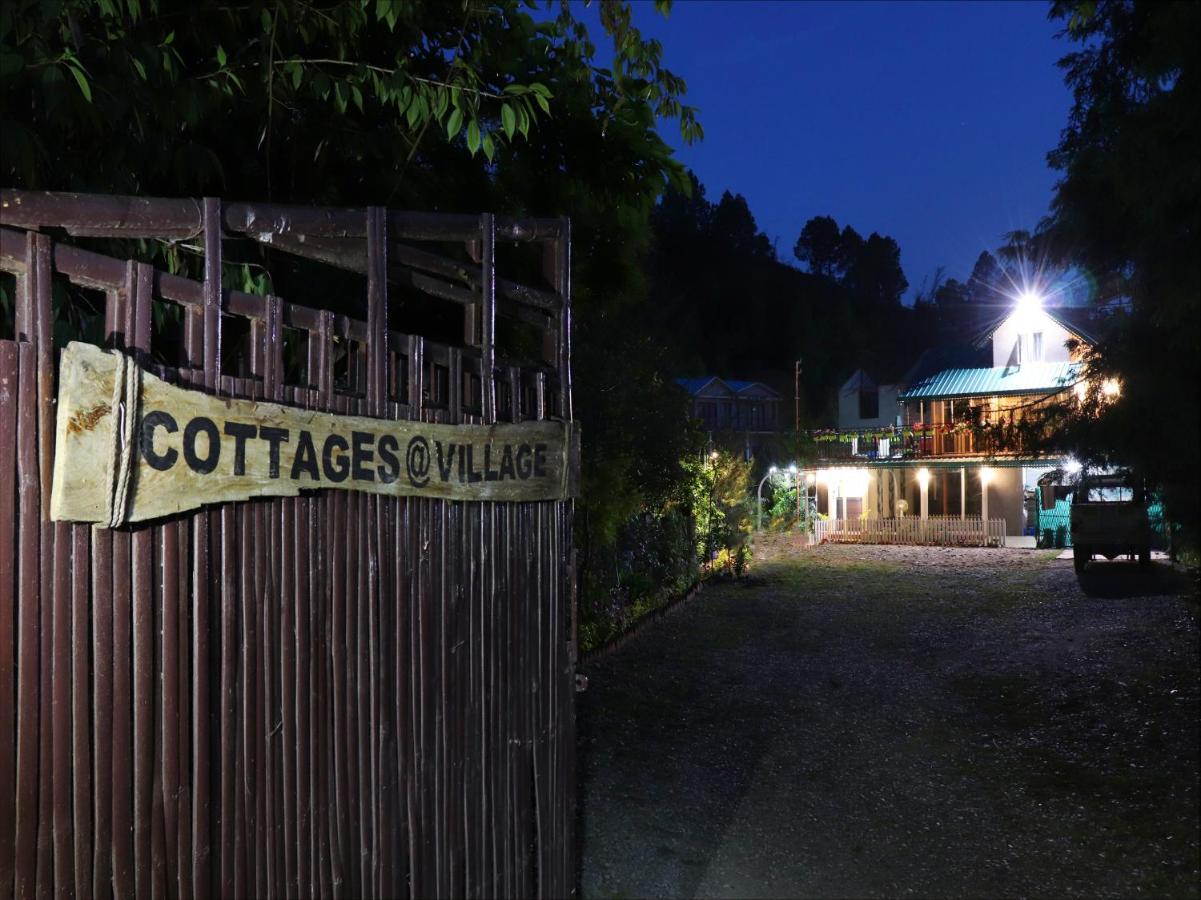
337 694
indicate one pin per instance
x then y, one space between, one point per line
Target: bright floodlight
772 470
1029 301
792 469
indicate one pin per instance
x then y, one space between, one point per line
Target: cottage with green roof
966 439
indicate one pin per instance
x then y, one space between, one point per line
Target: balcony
931 441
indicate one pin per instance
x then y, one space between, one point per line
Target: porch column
985 478
923 483
963 492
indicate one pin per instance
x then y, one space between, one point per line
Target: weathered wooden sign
132 447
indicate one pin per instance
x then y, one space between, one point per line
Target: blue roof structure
695 385
1031 378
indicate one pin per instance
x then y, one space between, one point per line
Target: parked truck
1109 518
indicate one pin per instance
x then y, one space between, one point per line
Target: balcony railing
925 441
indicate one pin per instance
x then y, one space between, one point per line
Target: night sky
929 122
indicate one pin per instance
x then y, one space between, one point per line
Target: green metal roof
1032 378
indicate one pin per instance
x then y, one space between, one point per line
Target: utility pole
796 400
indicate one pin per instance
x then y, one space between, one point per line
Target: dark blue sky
929 122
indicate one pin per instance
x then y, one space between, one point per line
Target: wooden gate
336 694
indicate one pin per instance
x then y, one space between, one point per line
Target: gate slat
28 642
169 703
9 404
81 750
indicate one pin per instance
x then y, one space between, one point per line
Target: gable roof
1061 315
1032 378
859 381
936 359
695 385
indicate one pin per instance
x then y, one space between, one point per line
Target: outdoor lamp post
759 497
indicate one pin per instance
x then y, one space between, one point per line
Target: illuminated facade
966 439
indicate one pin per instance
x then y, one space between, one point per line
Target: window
1036 347
869 404
1019 350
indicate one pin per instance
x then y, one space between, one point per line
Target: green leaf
473 136
542 102
357 96
265 18
10 62
82 81
220 56
137 64
169 38
297 74
454 124
489 147
508 121
540 89
523 121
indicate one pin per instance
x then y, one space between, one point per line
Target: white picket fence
948 531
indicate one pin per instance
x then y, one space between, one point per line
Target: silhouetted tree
850 245
818 246
874 272
733 223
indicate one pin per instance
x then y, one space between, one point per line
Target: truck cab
1109 518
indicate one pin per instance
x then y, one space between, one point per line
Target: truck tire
1080 558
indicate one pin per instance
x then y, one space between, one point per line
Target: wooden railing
920 443
946 531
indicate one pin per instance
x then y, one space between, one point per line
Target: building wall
1005 339
1005 499
848 408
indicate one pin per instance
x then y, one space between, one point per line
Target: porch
944 531
887 501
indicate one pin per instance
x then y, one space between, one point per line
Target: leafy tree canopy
277 95
1127 211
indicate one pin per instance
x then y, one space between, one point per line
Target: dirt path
890 721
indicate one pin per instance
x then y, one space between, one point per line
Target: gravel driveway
895 721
